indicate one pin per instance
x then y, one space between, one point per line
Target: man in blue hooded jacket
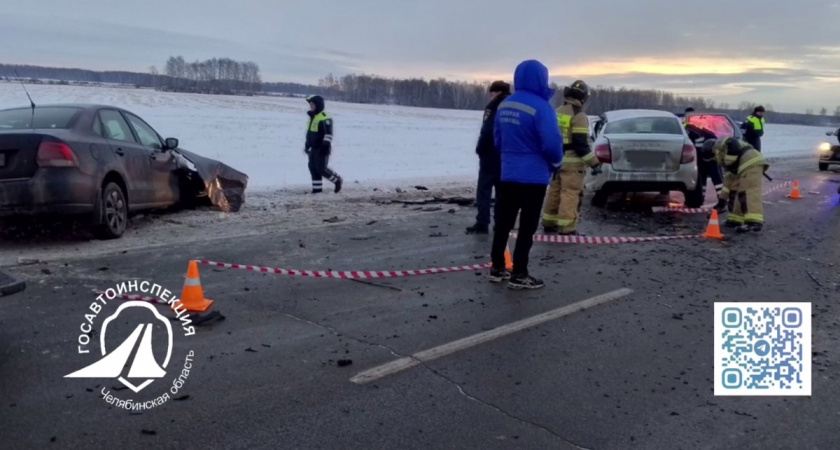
531 146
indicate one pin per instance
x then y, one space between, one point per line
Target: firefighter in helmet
744 169
562 205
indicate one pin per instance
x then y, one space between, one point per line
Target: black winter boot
478 229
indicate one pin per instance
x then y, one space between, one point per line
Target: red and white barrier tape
779 187
682 210
347 275
707 209
136 297
602 239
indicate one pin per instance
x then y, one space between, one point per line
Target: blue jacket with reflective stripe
526 131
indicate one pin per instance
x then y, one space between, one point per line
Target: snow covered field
375 145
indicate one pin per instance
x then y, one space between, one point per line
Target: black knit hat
499 86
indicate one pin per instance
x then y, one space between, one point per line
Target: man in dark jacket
528 136
319 136
489 159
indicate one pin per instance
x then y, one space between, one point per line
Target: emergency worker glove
730 205
307 150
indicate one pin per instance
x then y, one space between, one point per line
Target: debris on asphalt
813 278
452 211
149 432
677 316
361 238
119 388
333 219
421 188
433 317
432 208
663 304
249 349
28 261
344 362
371 222
266 345
438 234
181 398
206 319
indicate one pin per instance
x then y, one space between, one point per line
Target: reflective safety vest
314 122
757 122
573 122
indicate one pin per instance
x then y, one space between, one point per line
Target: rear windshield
22 118
644 125
719 125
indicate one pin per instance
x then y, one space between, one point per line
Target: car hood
225 185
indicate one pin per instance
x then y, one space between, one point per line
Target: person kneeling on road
318 146
741 195
562 207
526 134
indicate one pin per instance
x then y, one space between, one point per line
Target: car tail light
604 153
56 154
689 154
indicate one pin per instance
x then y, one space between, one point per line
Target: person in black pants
319 137
528 137
489 161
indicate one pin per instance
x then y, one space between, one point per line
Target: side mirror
171 143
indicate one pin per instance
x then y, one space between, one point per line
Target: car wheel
600 199
694 198
114 213
823 167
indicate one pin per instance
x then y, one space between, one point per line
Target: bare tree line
227 76
211 76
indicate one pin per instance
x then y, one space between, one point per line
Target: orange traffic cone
508 259
794 193
713 230
192 297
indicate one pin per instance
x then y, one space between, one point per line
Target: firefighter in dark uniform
489 159
319 136
754 127
707 167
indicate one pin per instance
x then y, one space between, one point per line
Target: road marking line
427 355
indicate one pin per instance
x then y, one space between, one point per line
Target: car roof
621 114
85 106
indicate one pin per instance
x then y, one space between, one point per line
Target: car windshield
719 125
23 118
644 125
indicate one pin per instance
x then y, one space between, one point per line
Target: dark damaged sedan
102 163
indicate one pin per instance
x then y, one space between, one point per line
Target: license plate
2 160
646 158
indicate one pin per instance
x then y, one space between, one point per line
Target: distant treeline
213 76
227 76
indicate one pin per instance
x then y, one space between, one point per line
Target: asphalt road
635 372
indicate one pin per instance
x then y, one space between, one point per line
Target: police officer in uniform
754 127
319 136
744 168
562 205
489 159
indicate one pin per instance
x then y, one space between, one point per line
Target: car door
135 159
164 188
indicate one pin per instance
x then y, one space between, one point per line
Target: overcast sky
779 52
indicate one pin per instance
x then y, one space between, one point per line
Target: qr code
762 349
